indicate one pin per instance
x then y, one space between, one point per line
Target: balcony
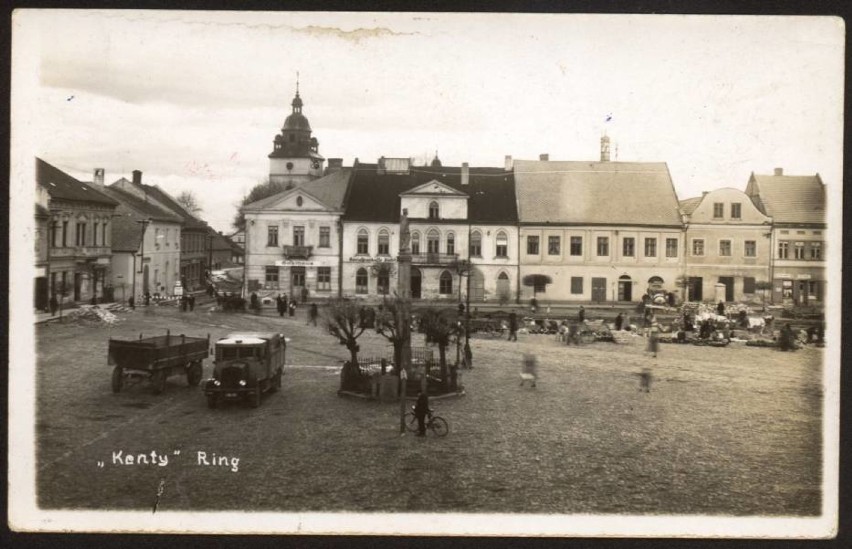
57 252
434 259
298 252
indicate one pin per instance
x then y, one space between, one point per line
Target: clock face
315 164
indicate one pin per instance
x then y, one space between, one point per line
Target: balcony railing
434 259
298 252
79 251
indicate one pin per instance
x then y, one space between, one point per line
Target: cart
156 359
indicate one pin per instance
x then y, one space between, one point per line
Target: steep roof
190 221
688 205
375 197
789 198
126 224
596 193
329 189
60 185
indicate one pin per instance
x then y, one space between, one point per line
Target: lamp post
404 311
145 223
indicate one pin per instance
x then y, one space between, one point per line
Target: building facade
727 243
797 207
77 265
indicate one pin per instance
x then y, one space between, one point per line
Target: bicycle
437 424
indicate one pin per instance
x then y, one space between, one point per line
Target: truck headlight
242 383
216 382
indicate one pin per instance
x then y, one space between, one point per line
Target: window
104 234
272 277
783 249
415 243
299 236
433 210
451 244
54 237
671 247
433 242
750 248
363 243
628 246
748 285
361 281
325 237
800 250
553 245
718 210
650 247
384 242
475 244
323 279
532 245
445 284
725 248
383 282
816 250
736 210
576 245
576 284
272 235
94 234
81 234
502 245
64 234
603 246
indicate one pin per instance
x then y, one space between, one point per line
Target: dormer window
433 210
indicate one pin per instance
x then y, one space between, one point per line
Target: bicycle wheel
440 426
411 422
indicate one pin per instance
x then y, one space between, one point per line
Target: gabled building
597 231
455 214
76 263
727 243
796 205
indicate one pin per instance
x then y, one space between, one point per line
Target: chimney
779 171
704 193
508 162
465 174
544 157
334 165
605 148
137 177
98 178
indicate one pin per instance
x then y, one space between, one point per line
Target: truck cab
246 365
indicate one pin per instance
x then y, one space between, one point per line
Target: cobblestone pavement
733 431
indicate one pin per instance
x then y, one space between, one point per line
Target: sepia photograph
456 274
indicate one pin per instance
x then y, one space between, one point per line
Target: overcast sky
194 100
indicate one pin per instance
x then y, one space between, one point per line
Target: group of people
187 300
283 305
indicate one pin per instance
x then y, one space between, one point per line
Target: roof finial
297 82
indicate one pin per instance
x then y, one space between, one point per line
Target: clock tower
295 156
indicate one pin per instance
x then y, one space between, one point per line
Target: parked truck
246 365
156 359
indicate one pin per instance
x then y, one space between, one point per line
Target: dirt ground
723 431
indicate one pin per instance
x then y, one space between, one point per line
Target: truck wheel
158 379
212 400
193 374
117 379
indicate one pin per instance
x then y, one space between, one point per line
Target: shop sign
295 263
803 277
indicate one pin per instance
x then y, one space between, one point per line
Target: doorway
696 288
78 281
416 282
297 282
477 285
625 288
504 292
728 281
41 298
598 289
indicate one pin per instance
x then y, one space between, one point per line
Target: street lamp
145 223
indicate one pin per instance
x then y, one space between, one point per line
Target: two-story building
597 231
455 214
292 239
79 253
727 242
796 205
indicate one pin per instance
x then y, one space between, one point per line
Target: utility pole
404 312
144 223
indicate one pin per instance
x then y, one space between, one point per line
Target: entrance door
297 282
802 294
78 281
598 289
416 282
41 293
728 281
477 285
696 288
504 292
625 289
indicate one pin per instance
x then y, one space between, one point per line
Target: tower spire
297 82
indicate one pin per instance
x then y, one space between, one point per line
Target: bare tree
440 327
189 202
342 320
264 189
389 325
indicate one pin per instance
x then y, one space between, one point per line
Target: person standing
314 313
191 302
54 305
786 339
421 410
131 302
291 308
279 305
654 337
581 314
513 326
720 308
619 321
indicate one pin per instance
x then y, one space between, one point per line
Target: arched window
363 242
476 244
384 242
502 245
503 276
361 281
383 282
433 241
415 243
445 286
433 210
451 244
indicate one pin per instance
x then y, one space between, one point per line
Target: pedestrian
284 304
191 302
421 410
468 355
645 380
529 370
183 303
54 305
619 321
534 305
131 302
786 339
314 314
654 337
742 319
254 303
720 308
292 308
513 326
147 299
279 305
581 314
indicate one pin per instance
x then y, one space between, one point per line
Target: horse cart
156 359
